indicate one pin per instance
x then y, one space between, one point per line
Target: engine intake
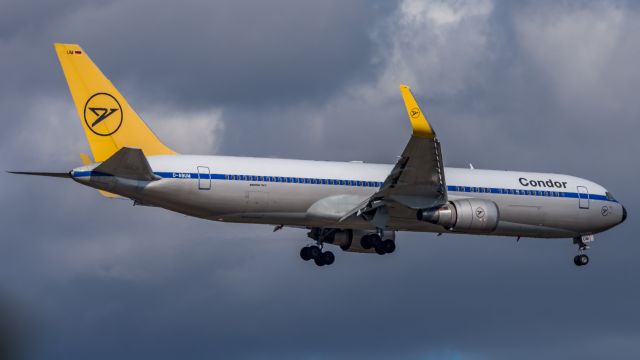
466 215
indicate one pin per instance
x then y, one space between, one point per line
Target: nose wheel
582 259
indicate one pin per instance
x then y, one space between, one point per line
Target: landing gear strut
582 259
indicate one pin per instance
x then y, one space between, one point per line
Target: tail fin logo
103 114
415 112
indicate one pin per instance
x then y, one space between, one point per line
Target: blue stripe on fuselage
362 183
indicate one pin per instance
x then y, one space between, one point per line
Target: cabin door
583 197
204 178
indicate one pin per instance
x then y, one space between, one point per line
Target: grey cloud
102 279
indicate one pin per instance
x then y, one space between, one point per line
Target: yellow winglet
421 127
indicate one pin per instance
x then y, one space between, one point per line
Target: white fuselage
290 192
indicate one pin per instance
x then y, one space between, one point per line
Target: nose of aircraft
624 214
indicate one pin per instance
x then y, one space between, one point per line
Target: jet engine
466 215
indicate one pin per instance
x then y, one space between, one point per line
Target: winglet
421 127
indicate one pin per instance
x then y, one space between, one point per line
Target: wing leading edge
417 180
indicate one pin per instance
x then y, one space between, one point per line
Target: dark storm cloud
532 86
226 52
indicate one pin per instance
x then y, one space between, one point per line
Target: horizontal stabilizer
39 173
128 163
86 160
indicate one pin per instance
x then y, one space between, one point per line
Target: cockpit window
610 196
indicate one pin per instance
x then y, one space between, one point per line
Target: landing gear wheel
314 252
304 254
389 246
380 250
319 261
328 258
581 260
367 241
376 240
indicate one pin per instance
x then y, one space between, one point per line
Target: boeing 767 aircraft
356 206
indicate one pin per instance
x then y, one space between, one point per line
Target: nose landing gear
582 259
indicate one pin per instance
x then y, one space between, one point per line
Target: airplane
356 206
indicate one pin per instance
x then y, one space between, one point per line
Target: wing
417 180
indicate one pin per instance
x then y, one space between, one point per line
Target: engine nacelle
466 215
349 240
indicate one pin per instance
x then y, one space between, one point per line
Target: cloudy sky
528 85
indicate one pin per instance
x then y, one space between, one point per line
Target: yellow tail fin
108 121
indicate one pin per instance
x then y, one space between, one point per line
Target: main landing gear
380 246
582 259
320 257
